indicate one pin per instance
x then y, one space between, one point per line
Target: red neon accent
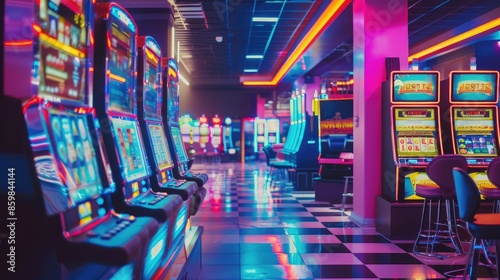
18 43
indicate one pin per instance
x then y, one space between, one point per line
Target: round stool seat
433 192
490 193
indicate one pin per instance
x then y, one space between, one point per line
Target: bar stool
439 171
494 177
479 226
346 194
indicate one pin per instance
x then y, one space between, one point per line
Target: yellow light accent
350 82
151 56
333 10
61 46
116 77
453 40
172 73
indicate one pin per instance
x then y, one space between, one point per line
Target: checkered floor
255 231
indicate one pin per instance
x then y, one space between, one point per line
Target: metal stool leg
345 194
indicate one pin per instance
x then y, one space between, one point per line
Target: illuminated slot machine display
115 78
273 131
62 154
416 132
292 130
204 132
185 123
335 141
158 154
216 133
227 136
170 113
474 120
259 138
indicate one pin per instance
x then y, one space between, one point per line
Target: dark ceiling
200 25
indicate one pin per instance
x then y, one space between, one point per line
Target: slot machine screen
150 87
62 56
336 120
172 92
477 86
121 67
75 155
474 130
415 133
129 146
414 86
179 147
159 145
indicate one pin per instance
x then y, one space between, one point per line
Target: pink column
380 30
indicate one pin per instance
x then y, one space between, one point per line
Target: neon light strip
457 39
18 43
116 77
333 10
61 46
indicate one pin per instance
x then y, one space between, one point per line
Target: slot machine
415 130
115 77
288 146
204 132
216 133
335 141
273 131
474 120
185 123
153 132
260 130
170 112
69 228
227 136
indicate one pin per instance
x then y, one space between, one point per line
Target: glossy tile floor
257 231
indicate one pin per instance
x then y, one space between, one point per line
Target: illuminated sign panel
415 86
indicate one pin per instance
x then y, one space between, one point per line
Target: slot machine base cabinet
393 218
185 262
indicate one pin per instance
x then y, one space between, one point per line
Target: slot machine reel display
92 239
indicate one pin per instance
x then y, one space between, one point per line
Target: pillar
380 30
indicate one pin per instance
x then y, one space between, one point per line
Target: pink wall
380 31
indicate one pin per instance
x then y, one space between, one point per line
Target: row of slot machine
266 132
98 171
198 133
428 118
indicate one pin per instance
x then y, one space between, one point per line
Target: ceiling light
456 39
183 80
219 39
250 70
330 13
256 56
265 19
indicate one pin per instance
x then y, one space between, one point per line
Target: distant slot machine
260 130
204 131
273 131
216 133
474 120
416 132
63 156
227 136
